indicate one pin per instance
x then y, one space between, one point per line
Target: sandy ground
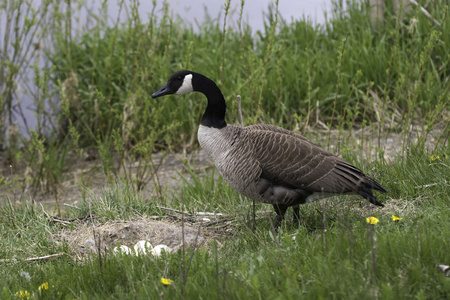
172 167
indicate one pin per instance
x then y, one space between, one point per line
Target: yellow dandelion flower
43 286
437 157
372 220
23 295
166 281
396 219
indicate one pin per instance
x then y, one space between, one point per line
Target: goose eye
180 78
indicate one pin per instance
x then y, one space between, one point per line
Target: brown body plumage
268 163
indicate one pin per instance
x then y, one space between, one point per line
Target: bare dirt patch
172 166
89 171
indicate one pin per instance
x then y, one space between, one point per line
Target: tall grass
272 75
386 78
24 33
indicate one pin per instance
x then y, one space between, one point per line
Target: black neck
214 115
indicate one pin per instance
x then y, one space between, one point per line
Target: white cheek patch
186 87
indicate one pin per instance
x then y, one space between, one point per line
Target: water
192 12
195 11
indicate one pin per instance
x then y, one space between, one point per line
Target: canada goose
265 162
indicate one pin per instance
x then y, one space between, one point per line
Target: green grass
383 79
329 256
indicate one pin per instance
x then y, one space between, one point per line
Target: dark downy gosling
265 162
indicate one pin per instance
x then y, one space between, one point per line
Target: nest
87 238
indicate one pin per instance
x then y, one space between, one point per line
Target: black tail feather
366 192
372 184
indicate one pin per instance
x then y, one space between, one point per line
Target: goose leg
296 209
280 210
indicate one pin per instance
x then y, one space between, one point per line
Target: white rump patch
186 87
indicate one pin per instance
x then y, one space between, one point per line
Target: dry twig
425 12
174 210
39 258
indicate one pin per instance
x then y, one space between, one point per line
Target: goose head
180 82
185 81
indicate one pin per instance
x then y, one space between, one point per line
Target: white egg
122 250
142 247
157 250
